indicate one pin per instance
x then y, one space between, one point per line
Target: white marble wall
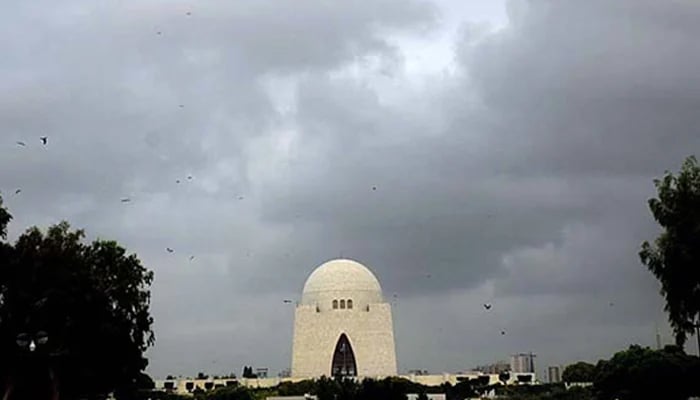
371 336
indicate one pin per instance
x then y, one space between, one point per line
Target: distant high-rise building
554 374
522 363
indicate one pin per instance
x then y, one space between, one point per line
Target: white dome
341 279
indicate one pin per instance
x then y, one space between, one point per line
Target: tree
578 372
84 308
674 258
5 219
229 393
642 373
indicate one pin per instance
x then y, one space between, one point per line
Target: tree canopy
83 306
674 258
642 373
578 372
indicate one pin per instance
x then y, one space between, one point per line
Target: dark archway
343 358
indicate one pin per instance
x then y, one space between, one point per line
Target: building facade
522 363
343 326
554 374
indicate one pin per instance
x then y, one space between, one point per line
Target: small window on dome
349 304
342 304
335 304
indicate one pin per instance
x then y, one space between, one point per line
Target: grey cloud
521 179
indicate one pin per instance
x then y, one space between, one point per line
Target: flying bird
374 188
159 33
21 143
191 258
503 332
44 139
125 200
177 181
287 301
612 304
487 306
188 13
18 191
182 106
169 250
189 177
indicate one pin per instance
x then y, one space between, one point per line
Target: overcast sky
512 146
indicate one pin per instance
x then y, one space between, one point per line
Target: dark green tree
5 219
578 372
296 388
642 373
326 389
82 308
674 258
228 393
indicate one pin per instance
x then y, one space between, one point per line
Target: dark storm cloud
520 179
135 96
556 128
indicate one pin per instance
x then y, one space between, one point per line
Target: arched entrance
343 358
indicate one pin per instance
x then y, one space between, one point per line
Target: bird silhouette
503 332
287 301
374 188
18 191
191 258
188 13
487 306
182 106
21 144
159 33
125 200
177 181
169 250
44 139
189 177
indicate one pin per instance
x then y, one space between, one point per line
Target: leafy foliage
248 372
640 372
227 393
296 389
5 219
543 392
674 258
579 372
92 301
